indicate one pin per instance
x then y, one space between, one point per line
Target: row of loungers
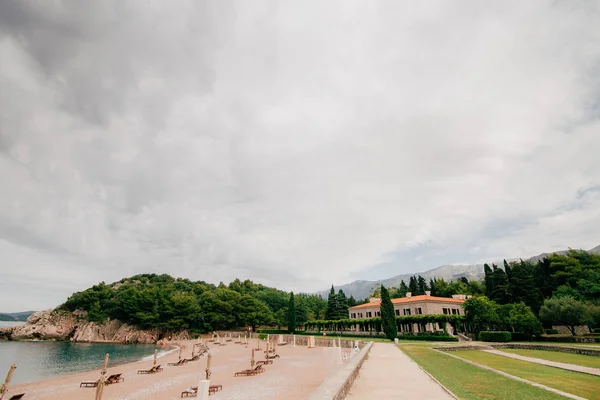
115 378
249 372
153 370
193 391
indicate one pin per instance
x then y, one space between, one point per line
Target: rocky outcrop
62 325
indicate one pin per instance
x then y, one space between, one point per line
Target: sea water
38 360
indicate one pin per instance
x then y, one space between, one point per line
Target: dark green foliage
388 317
564 311
495 336
551 331
421 285
500 293
489 282
341 305
428 337
481 313
291 323
331 305
413 285
568 339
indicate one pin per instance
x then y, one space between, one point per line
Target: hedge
551 331
495 336
374 324
596 330
432 338
567 339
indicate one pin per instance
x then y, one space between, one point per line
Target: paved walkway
388 373
570 367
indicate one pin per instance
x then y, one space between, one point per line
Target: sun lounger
264 362
114 378
195 358
152 370
178 363
248 372
90 384
17 396
271 356
193 391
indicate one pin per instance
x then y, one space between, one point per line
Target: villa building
413 305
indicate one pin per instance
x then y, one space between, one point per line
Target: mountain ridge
361 289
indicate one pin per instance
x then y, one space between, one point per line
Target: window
398 312
378 313
458 311
407 311
454 311
446 311
353 315
359 315
418 311
369 314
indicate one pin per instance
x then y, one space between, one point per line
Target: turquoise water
38 360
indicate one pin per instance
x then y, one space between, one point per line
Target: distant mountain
18 316
361 289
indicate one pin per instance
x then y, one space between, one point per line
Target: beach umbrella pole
4 387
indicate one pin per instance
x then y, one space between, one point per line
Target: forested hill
173 304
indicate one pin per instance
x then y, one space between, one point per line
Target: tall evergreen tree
432 287
331 312
291 320
421 285
412 285
489 282
500 294
402 289
342 305
388 317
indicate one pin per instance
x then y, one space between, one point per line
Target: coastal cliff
73 326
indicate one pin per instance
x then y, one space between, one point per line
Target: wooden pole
4 387
252 360
155 353
207 370
101 382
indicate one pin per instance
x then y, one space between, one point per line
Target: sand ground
293 376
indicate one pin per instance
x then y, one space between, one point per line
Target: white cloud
297 144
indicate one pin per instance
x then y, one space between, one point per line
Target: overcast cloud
297 144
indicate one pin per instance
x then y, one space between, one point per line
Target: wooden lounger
263 362
247 372
89 384
17 396
193 391
271 356
152 370
115 378
178 363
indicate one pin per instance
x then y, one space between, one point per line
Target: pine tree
403 289
500 293
388 317
412 285
432 287
421 285
291 314
342 305
331 304
489 282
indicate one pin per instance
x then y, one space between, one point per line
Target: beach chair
214 389
90 384
17 396
178 363
271 356
193 391
264 362
114 378
152 370
248 372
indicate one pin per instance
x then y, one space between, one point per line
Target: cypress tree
388 318
331 305
412 285
489 282
291 314
403 289
421 285
342 305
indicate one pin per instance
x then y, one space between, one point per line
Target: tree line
172 304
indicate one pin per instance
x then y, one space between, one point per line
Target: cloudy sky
298 144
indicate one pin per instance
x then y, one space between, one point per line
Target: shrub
272 331
519 337
495 336
428 337
568 339
551 331
596 330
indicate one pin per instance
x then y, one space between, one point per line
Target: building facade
413 305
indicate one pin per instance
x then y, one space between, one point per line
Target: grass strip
577 359
470 382
579 384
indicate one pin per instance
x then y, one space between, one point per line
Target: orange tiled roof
410 300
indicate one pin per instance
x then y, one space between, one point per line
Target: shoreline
293 376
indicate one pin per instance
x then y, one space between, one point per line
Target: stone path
570 367
388 373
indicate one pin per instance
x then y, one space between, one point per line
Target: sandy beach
294 375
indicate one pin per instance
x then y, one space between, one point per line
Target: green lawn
577 359
583 385
470 382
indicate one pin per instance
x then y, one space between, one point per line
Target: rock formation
62 325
